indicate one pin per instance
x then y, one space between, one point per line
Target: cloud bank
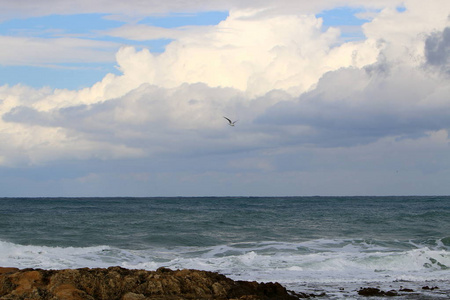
316 115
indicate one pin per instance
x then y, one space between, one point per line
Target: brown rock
117 283
69 292
8 270
133 296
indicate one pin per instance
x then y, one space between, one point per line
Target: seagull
230 122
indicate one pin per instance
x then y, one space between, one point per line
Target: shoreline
117 283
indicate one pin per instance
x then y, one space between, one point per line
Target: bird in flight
231 123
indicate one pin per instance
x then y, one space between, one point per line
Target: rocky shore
123 284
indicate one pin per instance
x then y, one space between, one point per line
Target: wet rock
391 293
117 283
370 292
429 288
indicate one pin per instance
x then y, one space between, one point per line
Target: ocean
334 245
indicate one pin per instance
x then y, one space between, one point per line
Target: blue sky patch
70 76
346 20
54 25
342 16
401 8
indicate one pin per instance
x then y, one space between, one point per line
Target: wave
316 259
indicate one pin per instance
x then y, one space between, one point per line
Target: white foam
314 262
20 256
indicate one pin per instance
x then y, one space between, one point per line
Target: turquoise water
327 243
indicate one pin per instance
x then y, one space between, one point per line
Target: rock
370 292
376 292
391 293
117 283
429 288
133 296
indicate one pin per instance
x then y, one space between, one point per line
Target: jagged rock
117 283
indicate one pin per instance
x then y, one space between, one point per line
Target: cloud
392 97
247 52
437 49
146 121
67 49
404 31
141 32
310 107
136 8
179 97
45 51
378 103
232 68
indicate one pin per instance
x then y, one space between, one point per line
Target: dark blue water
139 222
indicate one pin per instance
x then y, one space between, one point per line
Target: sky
127 98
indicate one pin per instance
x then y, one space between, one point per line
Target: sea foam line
348 259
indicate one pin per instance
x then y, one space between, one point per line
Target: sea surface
334 245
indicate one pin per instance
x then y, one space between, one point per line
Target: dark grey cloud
354 106
437 49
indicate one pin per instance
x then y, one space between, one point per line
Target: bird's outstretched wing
231 123
228 120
